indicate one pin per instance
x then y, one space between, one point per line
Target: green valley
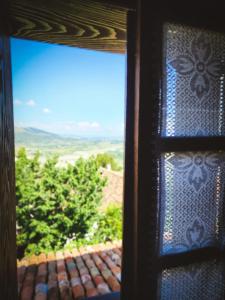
69 149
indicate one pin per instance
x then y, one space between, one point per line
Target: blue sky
68 90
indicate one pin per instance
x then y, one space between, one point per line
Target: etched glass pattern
192 196
193 82
194 282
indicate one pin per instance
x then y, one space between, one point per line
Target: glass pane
193 82
193 282
192 196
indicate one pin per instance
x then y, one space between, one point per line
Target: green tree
55 205
110 224
108 227
105 159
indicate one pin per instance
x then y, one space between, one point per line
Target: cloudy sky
68 90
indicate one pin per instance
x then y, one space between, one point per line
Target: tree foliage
55 205
108 227
110 224
105 159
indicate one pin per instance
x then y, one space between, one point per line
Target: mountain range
67 148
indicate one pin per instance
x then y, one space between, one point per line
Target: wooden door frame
147 263
131 167
8 268
144 59
8 278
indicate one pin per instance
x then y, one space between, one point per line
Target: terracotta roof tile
77 274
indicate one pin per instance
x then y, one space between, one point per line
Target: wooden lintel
96 25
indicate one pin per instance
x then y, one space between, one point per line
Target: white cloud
95 125
82 128
88 125
71 127
18 102
46 110
21 124
31 103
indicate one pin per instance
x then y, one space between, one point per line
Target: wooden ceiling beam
96 25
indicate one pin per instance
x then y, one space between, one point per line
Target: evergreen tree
55 205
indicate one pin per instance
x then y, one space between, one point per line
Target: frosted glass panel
193 82
194 282
192 201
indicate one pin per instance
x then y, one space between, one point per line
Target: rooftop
66 275
113 191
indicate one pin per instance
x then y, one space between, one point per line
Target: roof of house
113 191
77 274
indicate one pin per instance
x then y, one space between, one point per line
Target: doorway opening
69 139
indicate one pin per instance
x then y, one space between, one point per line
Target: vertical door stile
129 216
8 270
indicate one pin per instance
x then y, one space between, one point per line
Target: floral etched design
195 234
194 237
196 167
200 64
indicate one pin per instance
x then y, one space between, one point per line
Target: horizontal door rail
187 258
180 144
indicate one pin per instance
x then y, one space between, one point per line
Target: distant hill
33 135
67 148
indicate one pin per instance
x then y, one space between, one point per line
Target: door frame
8 265
8 268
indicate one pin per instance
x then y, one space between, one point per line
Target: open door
8 285
175 217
